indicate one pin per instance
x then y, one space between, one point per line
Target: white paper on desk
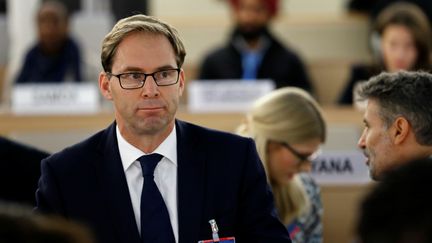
64 98
225 95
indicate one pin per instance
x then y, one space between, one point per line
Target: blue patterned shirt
308 227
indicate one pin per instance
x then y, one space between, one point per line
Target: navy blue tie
155 221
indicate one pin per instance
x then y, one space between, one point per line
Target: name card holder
340 168
48 99
225 95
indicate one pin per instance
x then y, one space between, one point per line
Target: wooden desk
10 123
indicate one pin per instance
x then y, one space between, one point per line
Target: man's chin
152 126
375 175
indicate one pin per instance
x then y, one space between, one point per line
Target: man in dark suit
253 52
196 174
19 171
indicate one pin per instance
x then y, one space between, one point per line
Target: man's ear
104 86
182 80
400 130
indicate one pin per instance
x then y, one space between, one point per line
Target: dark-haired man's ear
400 130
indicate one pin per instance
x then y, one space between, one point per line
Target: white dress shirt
165 175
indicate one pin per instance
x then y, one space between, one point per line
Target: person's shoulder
283 51
363 71
33 52
19 150
72 41
307 178
309 183
220 53
80 152
72 45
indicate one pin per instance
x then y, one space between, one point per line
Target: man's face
252 16
376 143
149 110
52 28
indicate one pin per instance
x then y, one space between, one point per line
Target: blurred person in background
19 171
19 224
288 129
397 119
125 8
252 52
374 7
400 40
56 56
398 209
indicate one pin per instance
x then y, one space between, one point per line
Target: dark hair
398 210
19 224
414 19
406 94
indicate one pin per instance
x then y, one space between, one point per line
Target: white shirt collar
129 153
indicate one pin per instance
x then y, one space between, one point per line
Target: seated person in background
400 39
374 7
56 56
20 224
288 128
19 171
252 52
398 209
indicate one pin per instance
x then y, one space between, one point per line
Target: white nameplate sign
66 98
340 168
225 96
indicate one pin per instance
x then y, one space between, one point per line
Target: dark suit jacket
280 64
19 171
219 177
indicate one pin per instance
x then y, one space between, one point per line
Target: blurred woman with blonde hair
288 129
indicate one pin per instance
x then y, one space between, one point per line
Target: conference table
11 123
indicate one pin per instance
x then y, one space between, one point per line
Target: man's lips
367 158
150 108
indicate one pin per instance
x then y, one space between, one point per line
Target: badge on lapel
215 235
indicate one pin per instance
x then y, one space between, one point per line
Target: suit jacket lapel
115 189
190 177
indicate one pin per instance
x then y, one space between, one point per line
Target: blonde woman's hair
287 115
144 24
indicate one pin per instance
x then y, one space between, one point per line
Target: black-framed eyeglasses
302 157
136 80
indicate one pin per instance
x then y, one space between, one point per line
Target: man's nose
361 142
150 88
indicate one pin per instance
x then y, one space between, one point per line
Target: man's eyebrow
137 69
165 67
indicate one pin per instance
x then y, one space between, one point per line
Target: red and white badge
215 235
